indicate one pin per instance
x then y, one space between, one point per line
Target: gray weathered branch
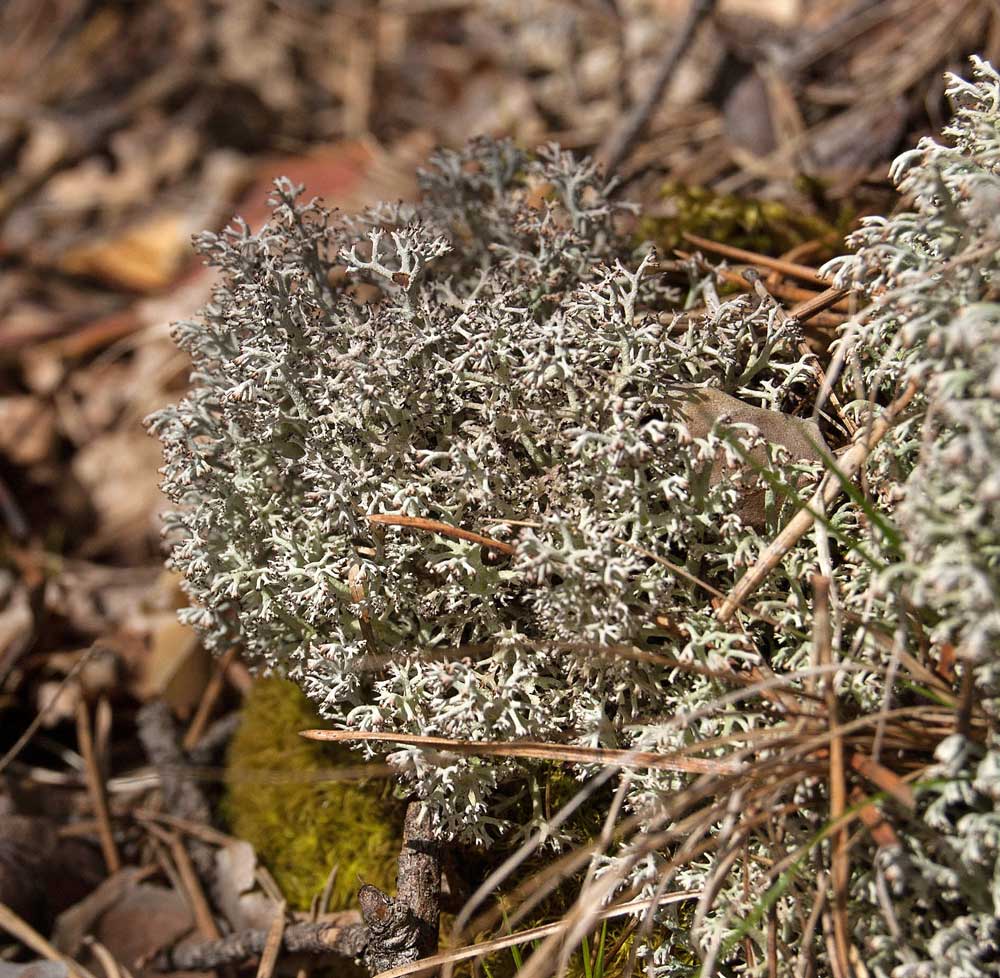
404 929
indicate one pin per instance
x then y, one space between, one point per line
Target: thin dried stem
838 779
272 945
534 749
18 927
213 689
848 466
621 140
96 788
804 273
39 717
436 526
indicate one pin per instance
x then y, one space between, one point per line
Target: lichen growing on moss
300 822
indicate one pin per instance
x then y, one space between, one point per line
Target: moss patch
764 226
280 799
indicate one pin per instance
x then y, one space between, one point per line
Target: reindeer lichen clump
932 271
514 374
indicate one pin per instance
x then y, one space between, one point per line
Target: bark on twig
405 929
418 883
347 941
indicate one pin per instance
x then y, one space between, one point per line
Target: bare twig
804 273
418 883
198 830
181 796
404 929
807 308
619 142
196 895
345 940
96 788
184 878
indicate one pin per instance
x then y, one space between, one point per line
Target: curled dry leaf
147 918
245 907
704 407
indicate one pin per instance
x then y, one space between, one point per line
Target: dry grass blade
522 937
19 928
840 872
689 817
96 788
269 956
804 961
764 782
538 750
502 872
924 675
828 490
436 526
